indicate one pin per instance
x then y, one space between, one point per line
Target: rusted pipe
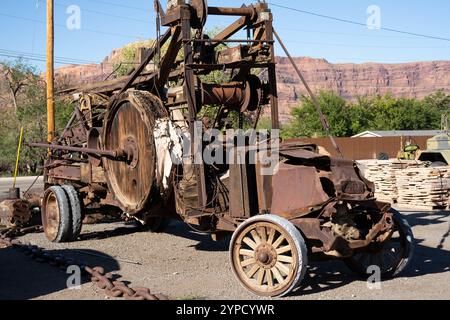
222 11
106 153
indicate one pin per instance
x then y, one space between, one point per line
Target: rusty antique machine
117 155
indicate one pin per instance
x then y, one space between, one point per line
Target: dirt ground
186 265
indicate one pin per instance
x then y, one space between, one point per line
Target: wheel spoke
271 236
250 243
278 242
277 275
283 269
263 233
248 262
260 278
256 237
253 271
286 259
247 253
269 278
284 249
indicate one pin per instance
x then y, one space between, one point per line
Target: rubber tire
64 210
299 242
405 228
75 212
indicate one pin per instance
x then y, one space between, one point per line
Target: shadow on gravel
329 275
428 260
426 218
205 242
175 228
325 276
22 278
118 232
444 238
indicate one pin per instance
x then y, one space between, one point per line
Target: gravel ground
187 265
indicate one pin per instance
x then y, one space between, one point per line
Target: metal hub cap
266 256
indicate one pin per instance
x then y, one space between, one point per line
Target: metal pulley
201 13
238 95
129 126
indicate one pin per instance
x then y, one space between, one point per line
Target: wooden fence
365 148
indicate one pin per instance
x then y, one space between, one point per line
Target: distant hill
411 80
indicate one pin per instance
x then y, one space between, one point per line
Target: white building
404 133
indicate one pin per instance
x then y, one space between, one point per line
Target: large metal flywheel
128 128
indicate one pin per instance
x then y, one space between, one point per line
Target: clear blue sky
109 24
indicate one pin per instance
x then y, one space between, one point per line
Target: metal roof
400 133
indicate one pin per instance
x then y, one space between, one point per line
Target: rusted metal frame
68 126
229 41
234 65
190 94
384 225
82 120
170 57
146 61
159 9
66 172
272 75
109 86
173 16
106 153
311 228
231 30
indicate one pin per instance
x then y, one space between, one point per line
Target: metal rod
316 103
50 72
19 147
151 54
221 11
107 153
227 41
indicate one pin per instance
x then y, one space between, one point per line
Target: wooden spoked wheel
268 256
129 127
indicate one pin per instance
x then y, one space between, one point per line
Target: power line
359 23
42 56
61 60
65 27
107 14
344 33
35 59
121 5
362 46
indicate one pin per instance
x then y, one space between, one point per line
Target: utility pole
50 71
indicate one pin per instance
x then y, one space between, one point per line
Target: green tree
306 122
29 112
367 113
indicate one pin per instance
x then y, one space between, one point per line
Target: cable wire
359 23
